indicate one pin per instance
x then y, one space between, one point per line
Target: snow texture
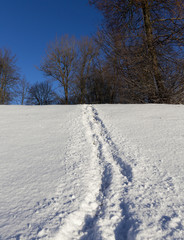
92 172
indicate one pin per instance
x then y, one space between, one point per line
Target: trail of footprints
115 177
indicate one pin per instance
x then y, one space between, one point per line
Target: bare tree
21 91
99 84
41 94
9 76
152 26
87 52
59 62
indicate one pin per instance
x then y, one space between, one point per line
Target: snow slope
92 172
151 139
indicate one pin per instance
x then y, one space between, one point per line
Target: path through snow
103 214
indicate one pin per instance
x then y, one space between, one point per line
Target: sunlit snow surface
92 172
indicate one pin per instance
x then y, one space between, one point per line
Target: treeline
137 56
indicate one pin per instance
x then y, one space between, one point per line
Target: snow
92 172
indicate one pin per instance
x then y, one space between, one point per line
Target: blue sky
27 27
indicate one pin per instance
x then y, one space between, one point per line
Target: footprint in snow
170 222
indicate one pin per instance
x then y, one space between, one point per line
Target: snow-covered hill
92 172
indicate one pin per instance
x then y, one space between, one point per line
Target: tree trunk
66 93
2 92
158 83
